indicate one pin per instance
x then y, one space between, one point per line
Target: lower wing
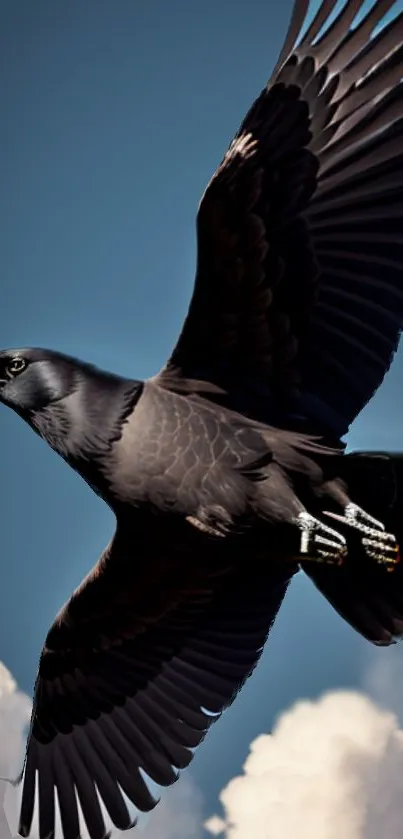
132 675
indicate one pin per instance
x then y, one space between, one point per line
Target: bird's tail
367 595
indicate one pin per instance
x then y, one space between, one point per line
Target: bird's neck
84 424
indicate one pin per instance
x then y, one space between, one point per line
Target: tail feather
366 595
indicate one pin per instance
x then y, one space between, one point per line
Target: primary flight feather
226 471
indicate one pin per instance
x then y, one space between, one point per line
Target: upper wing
299 284
138 664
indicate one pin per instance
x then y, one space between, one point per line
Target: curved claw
319 542
357 518
378 544
387 555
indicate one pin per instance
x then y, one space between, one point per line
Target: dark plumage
224 470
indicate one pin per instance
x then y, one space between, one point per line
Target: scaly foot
378 545
319 542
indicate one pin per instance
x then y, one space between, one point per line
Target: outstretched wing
138 664
299 285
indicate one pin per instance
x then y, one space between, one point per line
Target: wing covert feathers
298 298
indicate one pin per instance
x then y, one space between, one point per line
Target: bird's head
32 379
77 408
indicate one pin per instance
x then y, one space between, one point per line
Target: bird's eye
16 366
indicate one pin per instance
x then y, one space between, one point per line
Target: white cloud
15 711
215 825
330 768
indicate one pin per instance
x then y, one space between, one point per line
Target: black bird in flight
226 471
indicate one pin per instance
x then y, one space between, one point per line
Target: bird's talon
357 518
386 555
320 542
377 543
357 514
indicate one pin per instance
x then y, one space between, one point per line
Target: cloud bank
330 768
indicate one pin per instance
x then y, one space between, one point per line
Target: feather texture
300 249
295 316
131 688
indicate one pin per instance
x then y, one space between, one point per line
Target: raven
226 471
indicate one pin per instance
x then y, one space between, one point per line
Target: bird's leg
320 542
377 543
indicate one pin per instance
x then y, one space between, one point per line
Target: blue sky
114 117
